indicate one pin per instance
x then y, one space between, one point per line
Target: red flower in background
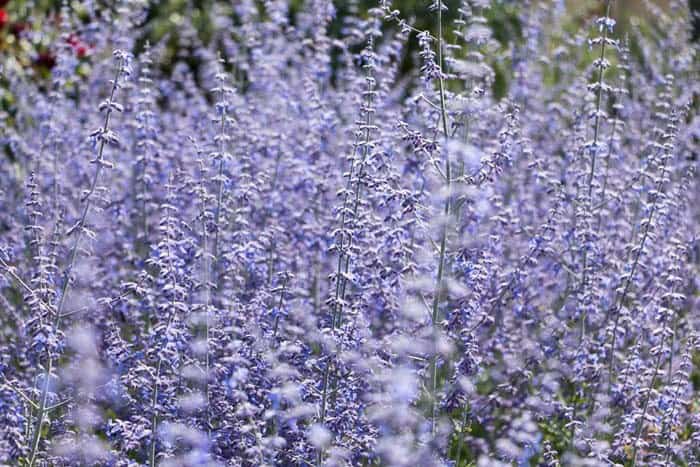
4 18
72 39
80 48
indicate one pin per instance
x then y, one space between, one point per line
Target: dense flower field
302 255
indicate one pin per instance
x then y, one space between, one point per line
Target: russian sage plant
435 233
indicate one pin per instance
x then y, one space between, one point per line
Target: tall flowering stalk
617 125
205 217
103 137
678 380
146 146
220 157
601 64
442 255
352 196
167 338
666 316
661 155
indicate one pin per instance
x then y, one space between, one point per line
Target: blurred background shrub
25 43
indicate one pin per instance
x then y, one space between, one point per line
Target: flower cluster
279 247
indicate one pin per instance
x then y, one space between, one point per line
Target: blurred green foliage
164 20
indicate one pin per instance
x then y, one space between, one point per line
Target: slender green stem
676 390
220 181
207 304
154 419
605 175
460 443
667 449
599 99
437 295
594 152
41 413
279 307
